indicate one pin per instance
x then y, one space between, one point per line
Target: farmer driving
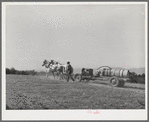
69 71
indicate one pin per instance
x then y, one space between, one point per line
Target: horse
55 67
61 71
50 67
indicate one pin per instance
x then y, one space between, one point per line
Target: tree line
134 78
137 78
20 72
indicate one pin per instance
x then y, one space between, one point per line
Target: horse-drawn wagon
116 77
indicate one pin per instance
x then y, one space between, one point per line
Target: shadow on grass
98 82
130 87
124 87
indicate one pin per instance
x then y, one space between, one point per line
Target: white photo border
122 114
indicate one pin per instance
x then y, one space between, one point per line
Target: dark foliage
134 78
20 72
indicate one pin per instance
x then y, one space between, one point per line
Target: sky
87 35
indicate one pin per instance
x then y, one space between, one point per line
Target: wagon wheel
87 79
122 82
78 77
114 81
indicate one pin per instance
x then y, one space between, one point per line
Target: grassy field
39 92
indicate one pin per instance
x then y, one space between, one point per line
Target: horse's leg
53 74
46 73
56 75
59 75
63 76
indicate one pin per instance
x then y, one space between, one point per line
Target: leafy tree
8 71
12 70
143 75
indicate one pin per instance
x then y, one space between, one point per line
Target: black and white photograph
74 60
